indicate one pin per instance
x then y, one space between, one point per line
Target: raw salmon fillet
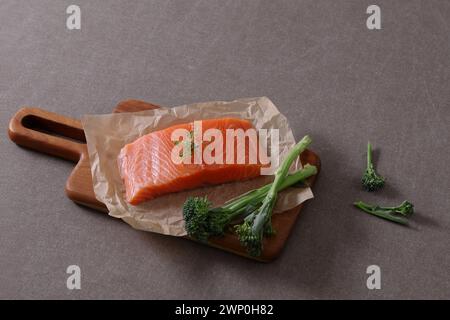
148 171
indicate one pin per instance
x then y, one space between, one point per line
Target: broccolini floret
371 180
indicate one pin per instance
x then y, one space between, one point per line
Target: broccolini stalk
396 214
258 223
371 181
259 194
203 221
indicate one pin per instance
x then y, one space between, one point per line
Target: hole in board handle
53 128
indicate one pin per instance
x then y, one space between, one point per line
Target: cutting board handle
48 132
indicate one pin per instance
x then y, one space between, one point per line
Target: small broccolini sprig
371 180
398 214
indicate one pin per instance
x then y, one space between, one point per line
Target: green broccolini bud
249 239
406 208
371 181
195 213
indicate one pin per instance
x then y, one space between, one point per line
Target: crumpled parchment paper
107 134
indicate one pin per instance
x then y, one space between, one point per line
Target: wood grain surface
63 137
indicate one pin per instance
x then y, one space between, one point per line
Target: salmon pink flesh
195 154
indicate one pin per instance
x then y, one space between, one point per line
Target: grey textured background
332 77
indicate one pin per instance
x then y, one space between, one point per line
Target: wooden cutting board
63 137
